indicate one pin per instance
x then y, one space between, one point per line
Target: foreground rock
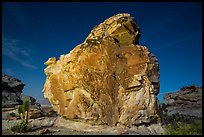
109 79
187 101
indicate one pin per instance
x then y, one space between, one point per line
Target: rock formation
12 92
108 79
12 97
187 101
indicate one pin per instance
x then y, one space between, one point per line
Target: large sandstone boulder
186 101
109 79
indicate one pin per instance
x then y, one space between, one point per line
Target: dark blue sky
34 32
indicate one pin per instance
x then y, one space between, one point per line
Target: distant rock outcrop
109 79
187 101
12 92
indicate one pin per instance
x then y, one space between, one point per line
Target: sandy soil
60 126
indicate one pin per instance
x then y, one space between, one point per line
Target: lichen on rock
108 79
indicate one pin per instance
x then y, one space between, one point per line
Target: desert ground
56 125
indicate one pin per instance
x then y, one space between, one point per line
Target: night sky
34 32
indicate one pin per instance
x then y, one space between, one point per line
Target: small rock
58 130
45 131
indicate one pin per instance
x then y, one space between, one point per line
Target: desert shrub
26 106
23 112
184 129
13 114
21 127
197 127
20 109
179 124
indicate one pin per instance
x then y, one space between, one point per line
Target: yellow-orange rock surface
109 79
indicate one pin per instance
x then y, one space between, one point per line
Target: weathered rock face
108 79
187 101
12 92
12 84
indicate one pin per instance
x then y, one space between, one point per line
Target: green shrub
21 127
184 129
20 109
197 127
23 110
26 106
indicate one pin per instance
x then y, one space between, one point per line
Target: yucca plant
21 112
26 106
